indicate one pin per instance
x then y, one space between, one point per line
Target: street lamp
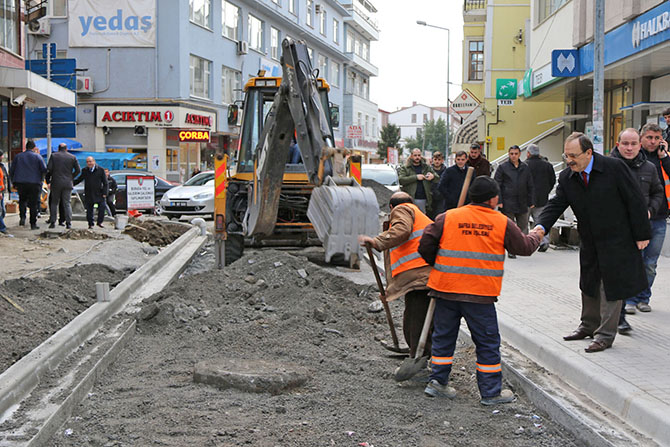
422 23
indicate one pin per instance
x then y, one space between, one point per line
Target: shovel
411 366
382 296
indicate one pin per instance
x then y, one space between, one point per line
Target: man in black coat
95 190
111 193
613 227
516 189
62 168
451 182
27 173
438 199
544 179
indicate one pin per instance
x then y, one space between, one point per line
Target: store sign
465 103
506 89
505 102
199 120
201 136
137 116
121 23
154 116
354 132
140 192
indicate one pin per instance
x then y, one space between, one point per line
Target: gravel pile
154 232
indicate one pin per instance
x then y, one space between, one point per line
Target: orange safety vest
471 253
666 181
2 180
406 255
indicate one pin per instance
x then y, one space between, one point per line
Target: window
425 117
367 125
9 25
230 20
360 119
365 93
231 85
476 57
545 8
201 69
255 33
334 78
351 81
310 53
322 22
200 12
291 7
413 118
58 8
323 66
274 43
308 10
374 127
365 54
357 46
336 31
350 42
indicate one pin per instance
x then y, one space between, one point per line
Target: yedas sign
155 116
121 23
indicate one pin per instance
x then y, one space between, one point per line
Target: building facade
188 61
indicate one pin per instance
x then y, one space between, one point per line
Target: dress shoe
101 226
511 256
90 227
577 335
52 225
22 222
543 247
596 346
60 224
624 328
68 226
34 227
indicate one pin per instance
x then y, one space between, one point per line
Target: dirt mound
48 304
382 192
276 307
79 234
154 232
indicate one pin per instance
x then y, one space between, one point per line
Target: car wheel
158 209
174 216
234 247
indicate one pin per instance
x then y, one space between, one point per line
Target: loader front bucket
340 212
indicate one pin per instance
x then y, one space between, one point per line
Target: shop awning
38 91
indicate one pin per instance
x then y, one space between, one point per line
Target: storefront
170 141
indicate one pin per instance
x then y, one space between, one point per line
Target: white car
383 173
193 198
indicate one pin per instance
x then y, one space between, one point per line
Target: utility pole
598 75
48 47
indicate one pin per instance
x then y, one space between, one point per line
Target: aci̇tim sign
121 23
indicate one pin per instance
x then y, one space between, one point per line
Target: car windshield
384 176
200 179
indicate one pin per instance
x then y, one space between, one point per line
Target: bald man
95 190
407 273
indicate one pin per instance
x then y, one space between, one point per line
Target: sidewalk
540 303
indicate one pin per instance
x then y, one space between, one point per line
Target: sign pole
598 75
220 235
48 47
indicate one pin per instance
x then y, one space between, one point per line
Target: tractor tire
234 247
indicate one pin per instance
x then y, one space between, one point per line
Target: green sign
506 88
528 83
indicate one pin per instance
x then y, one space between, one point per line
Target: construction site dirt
276 308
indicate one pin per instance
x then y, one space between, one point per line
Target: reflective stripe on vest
406 256
471 255
666 181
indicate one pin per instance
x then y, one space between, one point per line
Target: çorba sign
201 136
103 23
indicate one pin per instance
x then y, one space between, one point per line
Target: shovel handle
466 184
426 328
382 294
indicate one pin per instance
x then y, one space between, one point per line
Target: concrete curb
635 407
19 379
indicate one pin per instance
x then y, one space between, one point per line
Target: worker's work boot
434 389
505 397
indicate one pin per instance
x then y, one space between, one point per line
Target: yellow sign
489 140
501 143
194 135
220 164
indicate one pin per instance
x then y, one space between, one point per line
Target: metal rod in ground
220 249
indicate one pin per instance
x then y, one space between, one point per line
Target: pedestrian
451 182
4 189
112 187
517 193
666 117
95 190
62 169
437 198
409 273
27 173
613 229
416 178
628 150
544 179
478 161
466 247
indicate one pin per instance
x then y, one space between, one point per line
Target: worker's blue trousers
483 324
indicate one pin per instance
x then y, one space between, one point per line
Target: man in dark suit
61 170
613 227
95 190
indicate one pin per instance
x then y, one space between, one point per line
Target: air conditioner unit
317 9
242 47
84 84
40 27
140 131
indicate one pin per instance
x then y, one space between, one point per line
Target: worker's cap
483 189
533 149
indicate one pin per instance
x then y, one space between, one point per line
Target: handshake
539 231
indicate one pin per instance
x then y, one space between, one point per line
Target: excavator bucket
340 212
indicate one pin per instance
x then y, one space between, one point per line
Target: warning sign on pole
355 168
140 192
220 168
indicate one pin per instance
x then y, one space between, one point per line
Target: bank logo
169 116
644 29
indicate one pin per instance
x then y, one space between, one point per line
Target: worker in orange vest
466 247
409 272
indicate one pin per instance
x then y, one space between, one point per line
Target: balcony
362 22
361 64
474 10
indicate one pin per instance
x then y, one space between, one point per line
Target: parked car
161 186
193 198
383 173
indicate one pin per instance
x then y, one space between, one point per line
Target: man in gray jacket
61 170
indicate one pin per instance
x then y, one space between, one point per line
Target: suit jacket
62 168
95 184
612 215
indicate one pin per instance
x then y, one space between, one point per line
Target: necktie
586 178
